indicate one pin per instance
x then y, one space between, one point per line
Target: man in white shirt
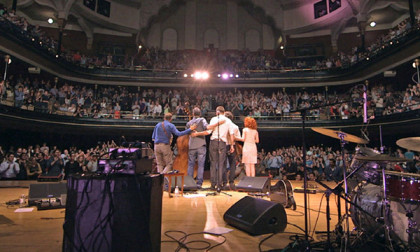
218 143
9 168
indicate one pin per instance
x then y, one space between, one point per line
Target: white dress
249 151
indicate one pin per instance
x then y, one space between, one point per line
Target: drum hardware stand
412 226
386 208
338 228
342 135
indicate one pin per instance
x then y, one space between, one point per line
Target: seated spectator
9 169
33 169
55 164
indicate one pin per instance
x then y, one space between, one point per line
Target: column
232 25
190 25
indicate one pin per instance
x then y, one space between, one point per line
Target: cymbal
410 143
336 134
381 158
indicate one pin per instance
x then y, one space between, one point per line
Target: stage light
50 21
197 75
237 76
281 47
372 24
56 55
140 46
225 76
192 75
205 75
218 75
185 75
231 75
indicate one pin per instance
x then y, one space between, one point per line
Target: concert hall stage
43 230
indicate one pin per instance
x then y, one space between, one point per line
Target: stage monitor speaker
189 183
117 212
254 184
41 191
257 216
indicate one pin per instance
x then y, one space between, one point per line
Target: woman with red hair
249 151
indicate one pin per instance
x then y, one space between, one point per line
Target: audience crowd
236 61
97 101
323 163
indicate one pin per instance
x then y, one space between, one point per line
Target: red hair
250 122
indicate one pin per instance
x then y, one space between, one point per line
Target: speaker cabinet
189 183
254 184
117 212
41 191
257 216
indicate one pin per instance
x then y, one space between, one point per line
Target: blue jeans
200 155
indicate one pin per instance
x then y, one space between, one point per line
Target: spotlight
185 75
56 55
237 76
231 75
192 75
390 43
225 76
205 76
281 47
50 21
218 75
372 24
197 75
140 46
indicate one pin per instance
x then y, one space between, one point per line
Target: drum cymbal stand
386 211
342 135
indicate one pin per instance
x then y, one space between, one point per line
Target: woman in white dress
249 151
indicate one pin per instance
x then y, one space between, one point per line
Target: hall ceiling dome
290 17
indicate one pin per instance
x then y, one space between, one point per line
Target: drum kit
384 205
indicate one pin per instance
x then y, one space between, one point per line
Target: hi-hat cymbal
410 143
337 134
381 158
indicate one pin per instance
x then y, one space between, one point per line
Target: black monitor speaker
117 212
257 216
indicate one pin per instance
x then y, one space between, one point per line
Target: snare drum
403 186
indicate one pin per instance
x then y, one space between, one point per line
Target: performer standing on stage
218 142
249 151
197 145
231 155
162 135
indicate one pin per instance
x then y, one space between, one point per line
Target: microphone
364 104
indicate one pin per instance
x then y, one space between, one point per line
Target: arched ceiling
276 13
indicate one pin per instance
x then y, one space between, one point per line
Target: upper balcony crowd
236 61
56 96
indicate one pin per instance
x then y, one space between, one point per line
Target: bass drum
369 198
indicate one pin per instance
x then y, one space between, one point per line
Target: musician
231 155
197 145
161 136
218 142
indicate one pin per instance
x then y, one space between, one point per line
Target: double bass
182 144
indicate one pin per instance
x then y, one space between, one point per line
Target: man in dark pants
232 156
197 145
218 142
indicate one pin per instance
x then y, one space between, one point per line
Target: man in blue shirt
162 135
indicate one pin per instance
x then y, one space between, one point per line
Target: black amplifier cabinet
114 212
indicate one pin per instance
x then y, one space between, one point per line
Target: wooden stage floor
43 230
